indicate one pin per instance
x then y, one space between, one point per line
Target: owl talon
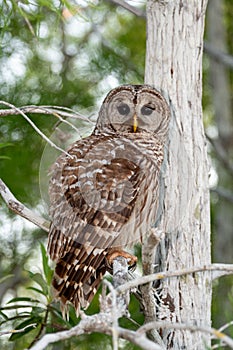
131 259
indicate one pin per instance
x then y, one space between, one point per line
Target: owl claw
114 253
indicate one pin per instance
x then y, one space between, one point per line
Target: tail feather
77 277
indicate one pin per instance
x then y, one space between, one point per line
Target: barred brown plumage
102 194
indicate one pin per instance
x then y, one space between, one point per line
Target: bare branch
34 127
218 55
49 110
218 270
182 326
20 209
116 304
128 7
13 331
101 323
149 246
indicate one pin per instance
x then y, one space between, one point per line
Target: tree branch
13 331
130 8
101 323
182 326
218 270
49 110
149 247
21 210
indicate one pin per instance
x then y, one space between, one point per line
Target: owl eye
147 109
123 109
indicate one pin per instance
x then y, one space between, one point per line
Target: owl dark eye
147 109
123 109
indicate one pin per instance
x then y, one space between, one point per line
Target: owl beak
135 122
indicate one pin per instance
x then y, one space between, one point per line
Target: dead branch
149 247
192 328
20 209
48 110
44 137
101 323
217 271
13 331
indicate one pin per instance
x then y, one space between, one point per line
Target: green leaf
6 144
48 272
3 315
37 290
15 306
38 278
4 157
37 310
23 299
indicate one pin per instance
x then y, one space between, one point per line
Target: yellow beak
135 122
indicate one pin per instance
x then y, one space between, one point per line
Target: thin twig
34 127
62 111
13 331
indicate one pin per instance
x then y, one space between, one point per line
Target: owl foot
114 253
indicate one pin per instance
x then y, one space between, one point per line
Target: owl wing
93 195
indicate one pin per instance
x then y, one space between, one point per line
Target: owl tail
77 277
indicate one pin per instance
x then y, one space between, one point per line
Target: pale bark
174 66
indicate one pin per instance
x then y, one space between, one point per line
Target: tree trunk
174 66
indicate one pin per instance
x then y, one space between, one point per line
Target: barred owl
104 191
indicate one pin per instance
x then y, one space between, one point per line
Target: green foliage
36 313
30 317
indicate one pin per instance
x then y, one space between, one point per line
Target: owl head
134 109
